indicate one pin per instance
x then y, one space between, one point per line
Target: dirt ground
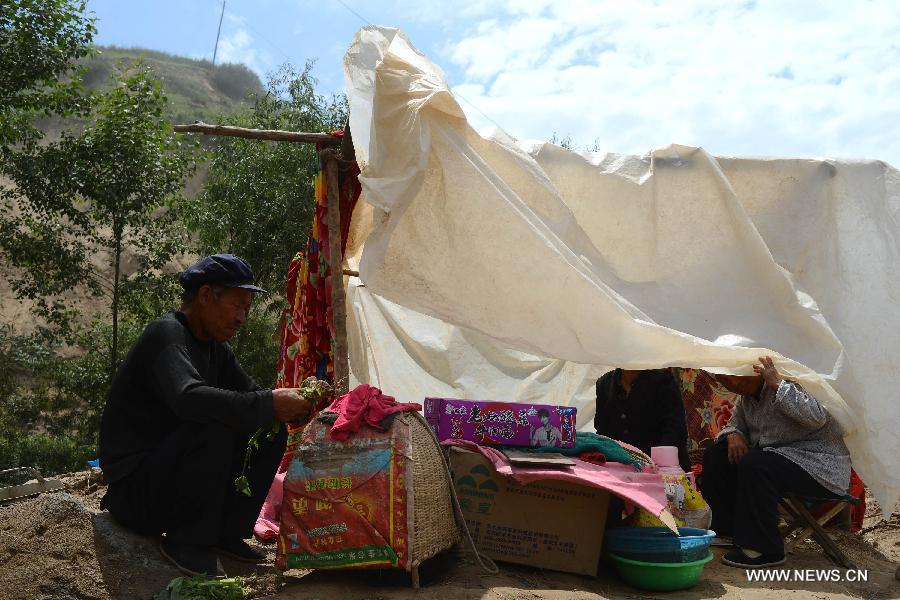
61 546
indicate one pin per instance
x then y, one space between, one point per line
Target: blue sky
750 78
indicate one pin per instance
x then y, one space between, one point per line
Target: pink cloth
266 528
645 489
365 404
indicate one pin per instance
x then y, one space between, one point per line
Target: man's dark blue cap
226 270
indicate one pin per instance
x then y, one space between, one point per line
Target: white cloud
237 45
445 13
750 78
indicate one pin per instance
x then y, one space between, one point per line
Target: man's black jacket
168 378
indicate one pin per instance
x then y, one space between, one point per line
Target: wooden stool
805 525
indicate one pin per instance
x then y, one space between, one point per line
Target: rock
131 564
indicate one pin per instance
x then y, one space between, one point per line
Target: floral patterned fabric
707 406
307 324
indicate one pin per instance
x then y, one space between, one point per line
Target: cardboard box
548 524
501 423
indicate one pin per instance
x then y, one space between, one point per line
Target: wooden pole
340 351
274 135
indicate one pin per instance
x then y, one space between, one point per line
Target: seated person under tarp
779 439
644 409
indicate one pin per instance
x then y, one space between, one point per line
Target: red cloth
307 324
857 489
593 457
365 404
307 321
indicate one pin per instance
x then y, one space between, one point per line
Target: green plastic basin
659 577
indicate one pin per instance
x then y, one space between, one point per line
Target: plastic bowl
660 577
659 544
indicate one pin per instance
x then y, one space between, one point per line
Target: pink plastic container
665 456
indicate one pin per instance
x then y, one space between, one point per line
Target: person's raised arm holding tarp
779 439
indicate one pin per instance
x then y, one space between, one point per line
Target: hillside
196 89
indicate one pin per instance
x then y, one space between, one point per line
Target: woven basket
434 526
397 508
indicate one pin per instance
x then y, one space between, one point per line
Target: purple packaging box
501 423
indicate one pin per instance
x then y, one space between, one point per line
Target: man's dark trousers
744 497
185 487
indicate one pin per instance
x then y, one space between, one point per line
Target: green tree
51 402
112 188
40 44
258 200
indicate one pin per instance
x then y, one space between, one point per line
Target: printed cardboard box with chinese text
548 524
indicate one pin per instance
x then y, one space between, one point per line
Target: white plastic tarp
674 258
411 355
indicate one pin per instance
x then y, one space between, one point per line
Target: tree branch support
274 135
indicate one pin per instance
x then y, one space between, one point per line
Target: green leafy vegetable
317 392
204 588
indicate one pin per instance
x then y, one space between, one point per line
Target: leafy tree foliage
99 212
258 200
51 401
112 187
40 43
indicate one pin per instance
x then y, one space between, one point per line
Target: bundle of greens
319 394
204 588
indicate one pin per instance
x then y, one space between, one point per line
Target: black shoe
737 558
191 559
240 550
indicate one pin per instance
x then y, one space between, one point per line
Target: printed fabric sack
376 500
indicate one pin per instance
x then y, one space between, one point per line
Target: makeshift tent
493 269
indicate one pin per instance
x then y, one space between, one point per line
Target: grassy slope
196 90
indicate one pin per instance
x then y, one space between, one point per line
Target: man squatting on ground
779 439
177 420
